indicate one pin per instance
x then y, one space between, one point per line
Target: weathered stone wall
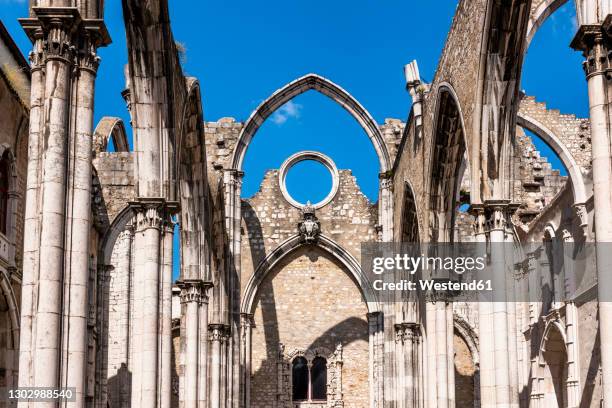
535 184
268 220
14 131
310 301
113 185
574 133
286 310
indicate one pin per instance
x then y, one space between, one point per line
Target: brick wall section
573 132
310 301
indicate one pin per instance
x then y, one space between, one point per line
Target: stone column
203 347
246 325
596 43
56 307
217 336
193 296
407 340
571 322
165 315
151 216
498 352
376 346
31 240
440 374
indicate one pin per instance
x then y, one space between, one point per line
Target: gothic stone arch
502 50
192 188
298 87
375 317
540 11
291 244
552 140
448 153
110 128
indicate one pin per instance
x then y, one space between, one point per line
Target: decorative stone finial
310 227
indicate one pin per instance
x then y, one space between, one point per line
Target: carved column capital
595 42
153 213
492 215
407 333
386 180
193 290
247 320
218 332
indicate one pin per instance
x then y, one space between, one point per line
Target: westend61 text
430 285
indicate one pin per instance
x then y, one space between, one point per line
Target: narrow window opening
4 194
319 379
300 379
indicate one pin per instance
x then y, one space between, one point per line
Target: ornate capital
386 180
407 333
235 178
193 290
247 320
581 214
52 32
218 332
493 215
153 213
595 42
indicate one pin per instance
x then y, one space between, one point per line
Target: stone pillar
441 360
152 216
571 323
165 316
376 345
409 376
56 304
203 348
498 383
31 225
246 325
595 41
194 301
218 339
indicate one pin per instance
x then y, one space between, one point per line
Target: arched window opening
4 193
300 376
549 47
446 174
555 371
319 379
466 386
311 121
410 221
309 379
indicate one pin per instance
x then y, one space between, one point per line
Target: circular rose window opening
308 177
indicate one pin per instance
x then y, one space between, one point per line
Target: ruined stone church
272 308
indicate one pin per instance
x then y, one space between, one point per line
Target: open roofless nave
273 308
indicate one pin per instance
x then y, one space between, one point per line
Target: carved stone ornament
310 227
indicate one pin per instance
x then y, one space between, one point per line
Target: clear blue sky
242 51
